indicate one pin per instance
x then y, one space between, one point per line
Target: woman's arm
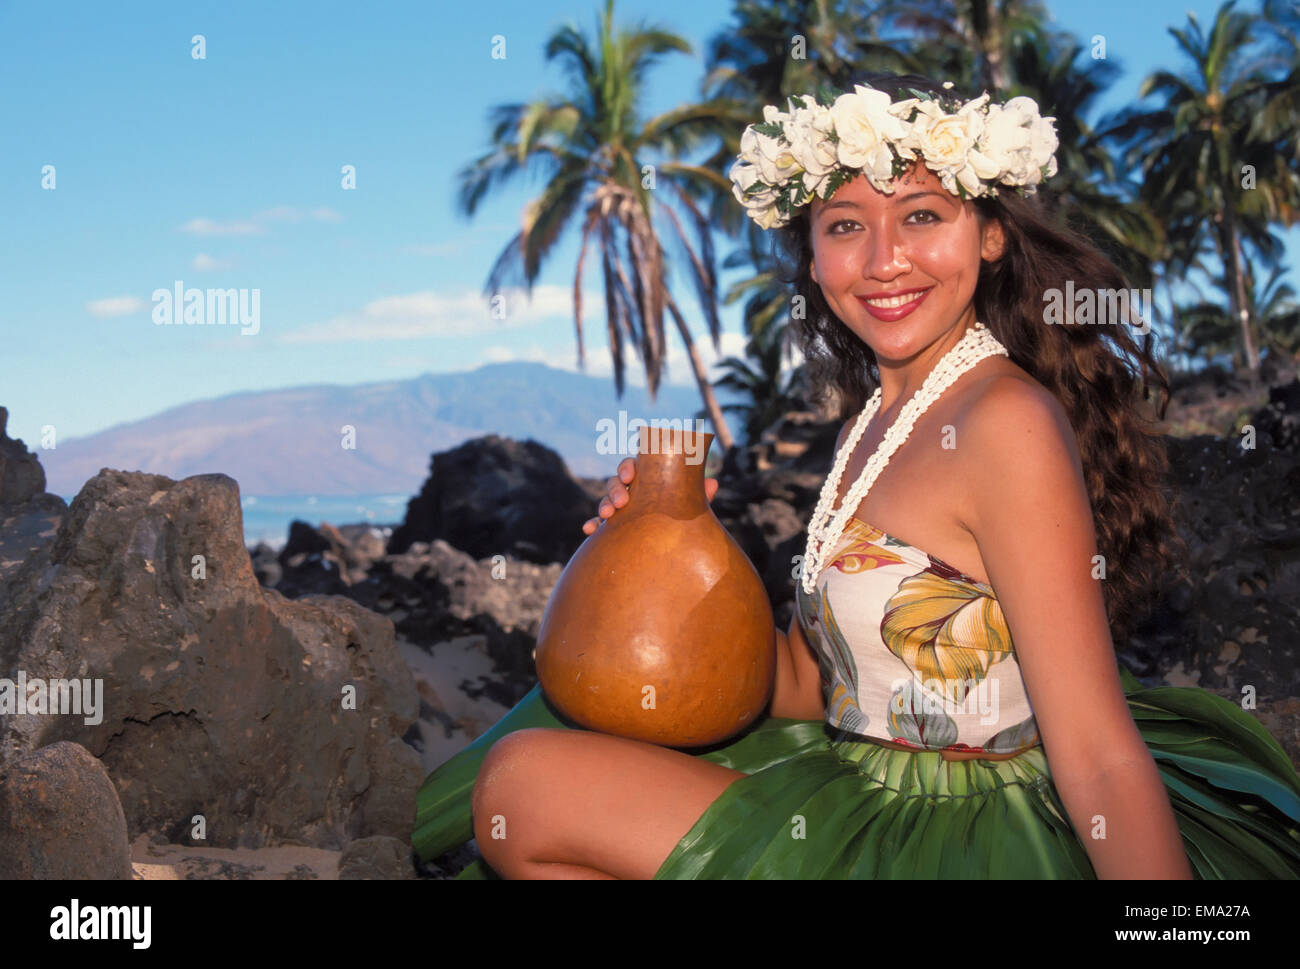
1029 512
798 692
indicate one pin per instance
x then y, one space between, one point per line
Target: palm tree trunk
721 431
1239 296
1179 350
993 49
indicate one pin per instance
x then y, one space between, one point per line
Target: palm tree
1280 23
1179 250
1279 317
600 159
770 394
1200 141
982 33
1209 328
1209 332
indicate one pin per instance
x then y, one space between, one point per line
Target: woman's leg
554 803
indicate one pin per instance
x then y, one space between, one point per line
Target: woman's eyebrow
845 203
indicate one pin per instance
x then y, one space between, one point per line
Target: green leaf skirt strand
817 804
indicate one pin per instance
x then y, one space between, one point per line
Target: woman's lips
892 313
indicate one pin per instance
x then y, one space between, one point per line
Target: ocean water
267 517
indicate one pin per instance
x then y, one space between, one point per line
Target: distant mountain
289 442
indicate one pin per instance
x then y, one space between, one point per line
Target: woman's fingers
607 505
617 493
616 497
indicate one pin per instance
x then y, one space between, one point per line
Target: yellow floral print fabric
913 651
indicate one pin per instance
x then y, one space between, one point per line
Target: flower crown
821 143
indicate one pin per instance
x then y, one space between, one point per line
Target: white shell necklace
973 347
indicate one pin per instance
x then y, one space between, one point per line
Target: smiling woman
948 700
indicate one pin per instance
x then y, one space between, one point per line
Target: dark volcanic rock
303 540
220 698
1228 616
21 475
60 817
496 496
377 858
323 561
266 565
28 516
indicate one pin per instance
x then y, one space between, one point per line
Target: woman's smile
891 308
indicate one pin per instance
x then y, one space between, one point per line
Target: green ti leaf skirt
819 804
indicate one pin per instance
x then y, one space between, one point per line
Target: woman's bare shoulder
1009 396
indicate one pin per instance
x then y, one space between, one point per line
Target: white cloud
207 227
115 306
205 263
257 224
418 316
287 213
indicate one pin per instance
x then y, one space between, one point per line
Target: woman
901 739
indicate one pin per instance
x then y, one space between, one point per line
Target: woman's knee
500 790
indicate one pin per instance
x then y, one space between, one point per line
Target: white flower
766 218
808 130
772 156
865 126
743 177
972 150
1003 144
944 140
1043 144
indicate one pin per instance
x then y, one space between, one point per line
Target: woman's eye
932 218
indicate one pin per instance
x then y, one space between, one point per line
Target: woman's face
922 237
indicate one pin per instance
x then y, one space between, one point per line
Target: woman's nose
885 256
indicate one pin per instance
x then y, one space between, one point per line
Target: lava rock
60 817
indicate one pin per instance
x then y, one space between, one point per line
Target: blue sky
226 172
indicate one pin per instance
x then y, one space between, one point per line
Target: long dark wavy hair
1099 373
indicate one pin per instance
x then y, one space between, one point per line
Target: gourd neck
670 472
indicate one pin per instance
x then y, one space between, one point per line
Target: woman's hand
617 495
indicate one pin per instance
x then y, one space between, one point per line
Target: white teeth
894 300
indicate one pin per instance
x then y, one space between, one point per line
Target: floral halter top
913 651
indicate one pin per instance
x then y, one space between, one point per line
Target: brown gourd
659 628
